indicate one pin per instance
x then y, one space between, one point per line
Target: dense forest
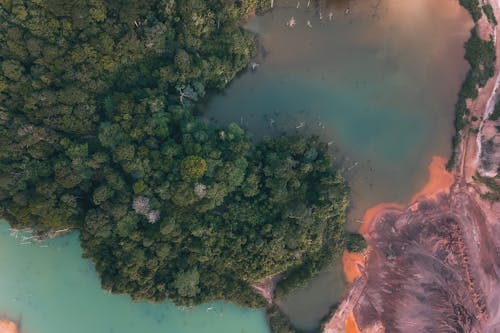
97 134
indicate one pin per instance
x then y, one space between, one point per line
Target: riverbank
440 219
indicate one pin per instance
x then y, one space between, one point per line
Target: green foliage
473 8
488 11
97 134
496 112
278 321
481 56
355 242
493 185
333 245
187 283
193 167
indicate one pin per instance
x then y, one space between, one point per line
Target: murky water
50 289
378 83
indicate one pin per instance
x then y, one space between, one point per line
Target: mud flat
434 264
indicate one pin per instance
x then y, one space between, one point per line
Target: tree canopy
97 134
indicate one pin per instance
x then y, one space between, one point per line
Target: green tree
193 167
186 283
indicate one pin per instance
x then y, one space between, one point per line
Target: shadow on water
378 82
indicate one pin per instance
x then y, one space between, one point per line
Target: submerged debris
291 23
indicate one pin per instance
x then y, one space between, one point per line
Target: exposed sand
350 324
439 179
372 212
352 263
7 326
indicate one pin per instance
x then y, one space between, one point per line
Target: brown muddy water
377 79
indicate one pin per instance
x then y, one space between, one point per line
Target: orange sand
7 326
352 263
439 179
372 212
350 324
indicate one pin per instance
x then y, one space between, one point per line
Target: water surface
378 83
51 289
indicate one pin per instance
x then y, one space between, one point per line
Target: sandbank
352 263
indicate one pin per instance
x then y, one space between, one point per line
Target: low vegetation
355 242
496 112
473 8
493 187
481 56
488 11
278 321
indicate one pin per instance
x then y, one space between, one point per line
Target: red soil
439 179
350 324
353 263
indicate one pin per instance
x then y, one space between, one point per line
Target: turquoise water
50 289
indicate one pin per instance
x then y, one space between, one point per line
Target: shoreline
441 182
